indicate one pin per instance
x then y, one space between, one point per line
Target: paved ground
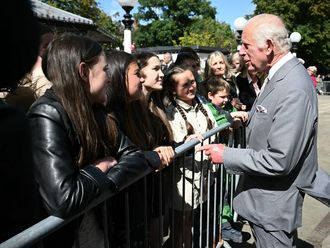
315 232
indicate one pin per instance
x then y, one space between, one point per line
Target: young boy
218 94
222 110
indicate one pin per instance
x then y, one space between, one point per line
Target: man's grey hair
271 30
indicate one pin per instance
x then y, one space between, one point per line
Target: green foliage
216 34
192 39
85 8
180 22
89 9
161 22
311 19
158 33
179 10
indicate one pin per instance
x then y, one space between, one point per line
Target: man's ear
83 71
270 46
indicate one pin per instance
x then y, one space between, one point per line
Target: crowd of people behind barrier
80 147
109 117
79 152
79 137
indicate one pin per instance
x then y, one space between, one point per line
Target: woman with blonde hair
218 66
237 63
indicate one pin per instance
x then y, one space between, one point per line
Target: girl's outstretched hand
166 155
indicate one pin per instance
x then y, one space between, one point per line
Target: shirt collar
185 105
249 78
279 64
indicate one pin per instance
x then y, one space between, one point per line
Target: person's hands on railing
104 164
242 115
213 151
238 118
236 102
166 155
194 136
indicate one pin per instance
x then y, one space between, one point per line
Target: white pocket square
261 109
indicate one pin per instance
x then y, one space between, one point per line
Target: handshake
213 151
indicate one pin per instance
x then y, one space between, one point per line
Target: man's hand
213 151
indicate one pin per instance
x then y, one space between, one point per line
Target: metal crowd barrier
206 227
326 87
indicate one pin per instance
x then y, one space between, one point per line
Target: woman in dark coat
79 153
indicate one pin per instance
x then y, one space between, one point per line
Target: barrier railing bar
191 143
40 230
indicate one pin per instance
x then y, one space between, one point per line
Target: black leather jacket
55 146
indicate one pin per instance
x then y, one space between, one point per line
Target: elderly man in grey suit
281 156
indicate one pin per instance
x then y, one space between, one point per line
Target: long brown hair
135 119
96 130
158 123
118 98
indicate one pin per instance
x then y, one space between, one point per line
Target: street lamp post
127 5
295 38
239 25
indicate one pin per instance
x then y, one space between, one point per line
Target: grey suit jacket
281 156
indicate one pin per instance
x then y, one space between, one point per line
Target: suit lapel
270 85
278 76
268 88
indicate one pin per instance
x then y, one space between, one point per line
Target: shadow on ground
304 244
245 244
300 244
